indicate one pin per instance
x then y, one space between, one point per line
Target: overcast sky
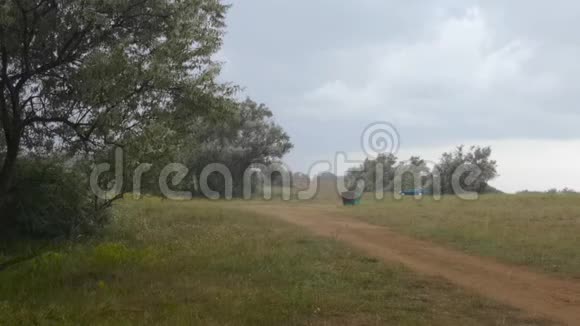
444 73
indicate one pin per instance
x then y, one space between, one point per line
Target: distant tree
383 169
414 172
250 137
567 190
476 162
492 190
555 191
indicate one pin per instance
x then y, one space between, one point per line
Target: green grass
539 231
200 263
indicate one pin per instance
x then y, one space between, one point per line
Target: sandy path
537 294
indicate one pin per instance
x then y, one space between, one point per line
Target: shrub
50 201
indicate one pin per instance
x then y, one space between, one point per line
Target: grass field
201 263
539 231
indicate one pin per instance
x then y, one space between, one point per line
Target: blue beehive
413 192
350 198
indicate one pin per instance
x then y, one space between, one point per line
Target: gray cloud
449 72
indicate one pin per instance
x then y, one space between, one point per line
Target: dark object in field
414 192
350 198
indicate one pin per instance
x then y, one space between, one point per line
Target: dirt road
533 293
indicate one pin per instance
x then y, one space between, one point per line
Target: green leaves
83 66
85 76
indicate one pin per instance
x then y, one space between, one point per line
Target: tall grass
201 263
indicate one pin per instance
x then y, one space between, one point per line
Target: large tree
83 74
250 137
239 135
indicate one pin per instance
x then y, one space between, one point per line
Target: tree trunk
9 167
